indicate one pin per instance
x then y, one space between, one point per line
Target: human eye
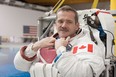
69 21
59 21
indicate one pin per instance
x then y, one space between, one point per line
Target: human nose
64 24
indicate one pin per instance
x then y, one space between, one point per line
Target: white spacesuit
85 59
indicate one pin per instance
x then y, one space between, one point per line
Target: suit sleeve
22 63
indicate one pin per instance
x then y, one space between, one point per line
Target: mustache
63 29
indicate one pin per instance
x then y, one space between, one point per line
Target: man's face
65 24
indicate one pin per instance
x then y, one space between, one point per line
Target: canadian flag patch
88 48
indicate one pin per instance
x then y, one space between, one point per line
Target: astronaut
76 54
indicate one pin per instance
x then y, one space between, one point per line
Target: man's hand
45 42
61 42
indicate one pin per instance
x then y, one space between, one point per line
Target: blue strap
57 57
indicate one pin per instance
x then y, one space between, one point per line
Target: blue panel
7 68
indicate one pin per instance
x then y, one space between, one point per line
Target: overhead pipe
55 8
112 4
95 3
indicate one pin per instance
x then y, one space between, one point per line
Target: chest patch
86 48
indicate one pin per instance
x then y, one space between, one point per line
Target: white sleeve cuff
61 50
29 52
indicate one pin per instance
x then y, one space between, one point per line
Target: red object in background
48 54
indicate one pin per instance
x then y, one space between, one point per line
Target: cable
92 36
113 43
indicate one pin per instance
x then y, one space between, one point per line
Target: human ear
77 24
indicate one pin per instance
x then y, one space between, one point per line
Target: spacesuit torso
84 60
